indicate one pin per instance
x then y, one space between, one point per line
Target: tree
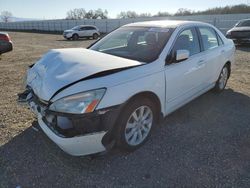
144 15
128 14
100 14
183 12
132 14
76 14
236 9
81 13
90 14
6 16
162 14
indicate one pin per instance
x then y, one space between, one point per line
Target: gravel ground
204 144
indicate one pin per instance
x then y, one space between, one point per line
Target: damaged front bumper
80 134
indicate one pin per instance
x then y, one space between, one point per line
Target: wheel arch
151 96
111 135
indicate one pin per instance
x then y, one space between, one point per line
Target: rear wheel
75 37
222 80
136 123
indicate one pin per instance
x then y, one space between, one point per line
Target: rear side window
90 28
209 38
188 40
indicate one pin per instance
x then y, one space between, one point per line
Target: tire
95 36
75 37
222 80
130 134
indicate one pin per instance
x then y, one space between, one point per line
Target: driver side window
188 40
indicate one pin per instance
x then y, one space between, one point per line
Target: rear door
82 32
184 79
90 31
213 50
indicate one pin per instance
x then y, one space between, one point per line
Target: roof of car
163 23
3 33
87 26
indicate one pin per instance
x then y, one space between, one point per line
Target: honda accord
116 91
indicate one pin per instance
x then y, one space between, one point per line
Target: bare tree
81 13
162 14
100 14
132 14
6 16
183 12
76 14
144 15
128 14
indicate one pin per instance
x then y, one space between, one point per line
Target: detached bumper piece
80 134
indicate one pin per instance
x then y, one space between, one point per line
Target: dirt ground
204 144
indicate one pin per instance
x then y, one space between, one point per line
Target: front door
184 79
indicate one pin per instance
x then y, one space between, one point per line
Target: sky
57 9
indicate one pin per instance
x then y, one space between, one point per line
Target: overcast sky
55 9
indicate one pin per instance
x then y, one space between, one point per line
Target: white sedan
117 90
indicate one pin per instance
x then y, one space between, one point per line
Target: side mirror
182 55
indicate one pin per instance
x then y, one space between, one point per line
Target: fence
223 22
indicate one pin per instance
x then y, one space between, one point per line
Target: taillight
5 38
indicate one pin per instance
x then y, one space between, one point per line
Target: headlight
79 103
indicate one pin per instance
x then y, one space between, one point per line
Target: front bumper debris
81 134
76 146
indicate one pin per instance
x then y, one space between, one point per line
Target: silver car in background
240 33
82 31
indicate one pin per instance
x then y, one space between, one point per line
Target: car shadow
205 142
243 47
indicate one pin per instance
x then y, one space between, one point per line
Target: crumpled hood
61 67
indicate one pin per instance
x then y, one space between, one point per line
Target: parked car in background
240 33
119 88
82 31
5 43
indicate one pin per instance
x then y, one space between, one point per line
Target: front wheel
75 37
136 123
222 80
95 36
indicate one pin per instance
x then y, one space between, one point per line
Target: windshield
137 43
75 28
245 23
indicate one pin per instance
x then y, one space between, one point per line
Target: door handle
201 62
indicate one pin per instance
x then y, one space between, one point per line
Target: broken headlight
79 103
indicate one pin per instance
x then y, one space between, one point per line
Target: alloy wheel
138 125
